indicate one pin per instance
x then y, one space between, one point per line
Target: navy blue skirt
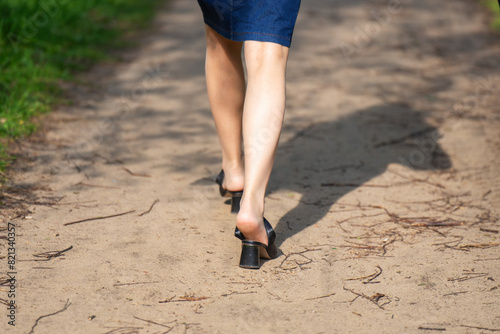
257 20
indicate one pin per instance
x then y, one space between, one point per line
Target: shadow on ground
328 160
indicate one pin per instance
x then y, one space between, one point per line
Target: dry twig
427 328
298 264
153 322
455 293
374 299
50 314
369 277
182 299
483 328
135 174
488 230
237 293
134 283
354 185
325 296
98 218
92 185
130 329
467 276
51 254
150 208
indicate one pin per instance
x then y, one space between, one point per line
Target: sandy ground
385 193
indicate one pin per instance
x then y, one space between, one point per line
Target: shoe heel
235 202
250 256
272 251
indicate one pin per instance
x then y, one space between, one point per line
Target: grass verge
494 6
44 42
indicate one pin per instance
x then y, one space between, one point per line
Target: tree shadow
328 160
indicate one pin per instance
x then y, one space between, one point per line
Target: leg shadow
328 160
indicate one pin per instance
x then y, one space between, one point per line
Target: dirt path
385 193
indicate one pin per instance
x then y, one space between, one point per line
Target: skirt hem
250 36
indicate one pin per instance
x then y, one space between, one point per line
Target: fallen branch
446 243
370 277
354 185
455 293
192 298
488 230
48 315
150 208
297 263
325 296
466 248
486 193
152 322
135 174
354 217
435 223
383 248
467 276
426 328
252 283
374 299
182 299
484 328
484 245
92 185
492 259
134 283
52 254
237 293
98 218
130 329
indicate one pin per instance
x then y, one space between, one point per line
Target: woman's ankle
234 176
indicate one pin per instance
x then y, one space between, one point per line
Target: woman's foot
234 178
252 251
235 181
250 220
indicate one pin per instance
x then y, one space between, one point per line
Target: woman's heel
235 201
235 195
250 254
252 251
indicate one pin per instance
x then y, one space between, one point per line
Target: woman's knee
217 42
259 54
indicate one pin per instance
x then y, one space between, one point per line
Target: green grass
44 42
494 7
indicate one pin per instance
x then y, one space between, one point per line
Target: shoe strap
254 243
220 178
271 235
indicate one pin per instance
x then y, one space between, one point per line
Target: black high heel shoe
252 251
235 195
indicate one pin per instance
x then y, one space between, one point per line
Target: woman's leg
226 93
262 121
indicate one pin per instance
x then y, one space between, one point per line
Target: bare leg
262 121
226 93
